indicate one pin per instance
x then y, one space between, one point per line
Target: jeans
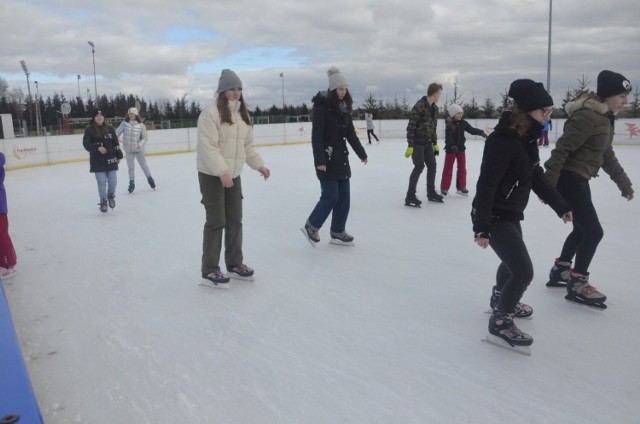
335 198
587 232
103 179
423 155
516 270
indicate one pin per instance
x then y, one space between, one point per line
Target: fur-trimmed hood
587 101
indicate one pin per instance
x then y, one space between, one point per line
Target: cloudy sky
163 49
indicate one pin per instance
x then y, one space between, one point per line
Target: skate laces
241 268
589 289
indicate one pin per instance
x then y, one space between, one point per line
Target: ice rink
115 327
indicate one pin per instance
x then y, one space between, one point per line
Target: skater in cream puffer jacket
134 138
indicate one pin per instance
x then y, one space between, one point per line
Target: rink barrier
53 150
18 402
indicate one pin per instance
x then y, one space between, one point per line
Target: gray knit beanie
336 79
228 80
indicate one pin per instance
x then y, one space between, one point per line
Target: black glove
453 149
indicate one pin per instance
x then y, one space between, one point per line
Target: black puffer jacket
454 135
510 170
93 139
331 131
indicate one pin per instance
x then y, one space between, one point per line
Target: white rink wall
51 150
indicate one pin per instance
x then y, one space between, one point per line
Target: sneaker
501 325
435 197
444 192
579 287
151 182
559 274
8 272
463 191
241 272
341 239
522 309
311 234
216 279
103 206
112 201
132 186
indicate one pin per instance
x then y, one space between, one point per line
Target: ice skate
580 291
151 182
522 309
435 197
8 272
462 191
112 201
103 205
341 239
444 192
412 200
240 272
312 235
216 279
559 274
132 186
504 333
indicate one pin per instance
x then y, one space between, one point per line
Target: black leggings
516 270
587 231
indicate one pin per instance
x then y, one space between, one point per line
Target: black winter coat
92 140
510 169
331 131
454 135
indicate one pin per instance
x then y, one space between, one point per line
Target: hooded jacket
586 144
331 130
224 148
510 169
109 140
134 136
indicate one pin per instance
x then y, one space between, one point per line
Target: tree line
23 108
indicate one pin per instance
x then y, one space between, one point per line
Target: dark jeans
587 232
223 207
371 133
516 270
335 197
423 155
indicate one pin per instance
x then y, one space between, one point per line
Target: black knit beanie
611 84
529 95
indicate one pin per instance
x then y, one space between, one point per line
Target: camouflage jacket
422 123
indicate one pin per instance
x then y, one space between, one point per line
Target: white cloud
163 49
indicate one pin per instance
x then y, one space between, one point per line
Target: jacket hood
320 97
588 101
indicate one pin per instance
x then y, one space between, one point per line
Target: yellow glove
409 152
436 149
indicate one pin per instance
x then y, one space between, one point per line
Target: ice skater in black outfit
510 170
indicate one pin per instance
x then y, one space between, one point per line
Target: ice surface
115 328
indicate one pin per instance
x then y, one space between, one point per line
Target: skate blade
304 232
494 340
556 284
240 277
412 205
530 317
211 284
598 306
341 243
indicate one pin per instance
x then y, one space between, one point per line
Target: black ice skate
151 182
312 235
132 186
580 291
342 239
522 309
240 272
462 191
412 200
112 201
559 274
103 206
504 333
435 197
217 279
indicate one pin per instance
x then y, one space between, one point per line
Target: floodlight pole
27 73
283 110
549 50
95 83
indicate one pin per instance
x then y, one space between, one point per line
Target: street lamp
27 73
93 52
38 118
79 86
285 115
549 50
